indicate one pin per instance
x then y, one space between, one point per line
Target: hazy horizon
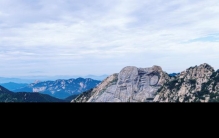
78 38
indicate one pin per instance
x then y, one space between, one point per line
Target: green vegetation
70 98
86 94
202 98
213 95
202 92
159 90
8 96
215 79
186 98
192 81
215 99
172 84
177 100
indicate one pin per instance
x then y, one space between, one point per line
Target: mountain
61 88
31 79
173 74
15 80
132 84
8 96
70 98
195 84
13 86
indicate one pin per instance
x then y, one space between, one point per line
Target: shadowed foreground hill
8 96
13 86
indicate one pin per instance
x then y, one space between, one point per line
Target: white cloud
101 37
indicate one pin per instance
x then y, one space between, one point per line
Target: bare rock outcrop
196 84
132 84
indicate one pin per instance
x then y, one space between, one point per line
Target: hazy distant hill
31 79
102 77
13 86
15 80
173 74
61 88
8 96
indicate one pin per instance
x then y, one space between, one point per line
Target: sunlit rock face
132 84
195 84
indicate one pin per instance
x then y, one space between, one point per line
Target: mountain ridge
131 84
195 84
31 79
152 84
13 86
8 96
61 88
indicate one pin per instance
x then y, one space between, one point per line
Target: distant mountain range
60 88
13 86
173 74
15 80
8 96
31 79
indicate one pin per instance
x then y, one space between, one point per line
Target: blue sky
81 37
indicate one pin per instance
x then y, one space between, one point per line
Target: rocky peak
152 84
193 84
199 73
93 94
157 68
132 85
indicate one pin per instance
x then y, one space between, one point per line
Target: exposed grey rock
195 84
132 85
93 94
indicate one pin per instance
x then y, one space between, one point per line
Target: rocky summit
195 84
132 84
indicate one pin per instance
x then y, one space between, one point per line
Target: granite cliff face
196 84
94 93
132 84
